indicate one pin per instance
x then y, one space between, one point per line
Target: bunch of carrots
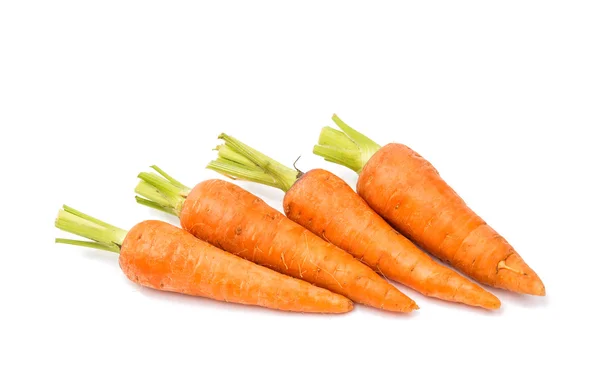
332 247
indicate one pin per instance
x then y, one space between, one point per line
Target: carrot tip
491 302
532 286
538 288
494 305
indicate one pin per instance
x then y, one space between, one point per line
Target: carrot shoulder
233 219
161 256
324 204
409 193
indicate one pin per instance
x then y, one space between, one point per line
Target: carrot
225 215
161 256
409 193
324 204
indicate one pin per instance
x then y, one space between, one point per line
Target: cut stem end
102 235
346 147
161 192
239 161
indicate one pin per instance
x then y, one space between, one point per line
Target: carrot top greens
239 161
347 147
103 235
161 191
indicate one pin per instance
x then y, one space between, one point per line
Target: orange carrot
409 193
327 206
236 221
161 256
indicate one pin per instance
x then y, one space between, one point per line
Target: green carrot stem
227 153
156 206
87 244
162 184
359 138
161 192
332 137
347 147
241 162
235 171
150 192
87 217
103 235
168 177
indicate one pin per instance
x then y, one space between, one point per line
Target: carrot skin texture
158 255
323 203
409 193
227 216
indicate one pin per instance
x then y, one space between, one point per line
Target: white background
502 97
